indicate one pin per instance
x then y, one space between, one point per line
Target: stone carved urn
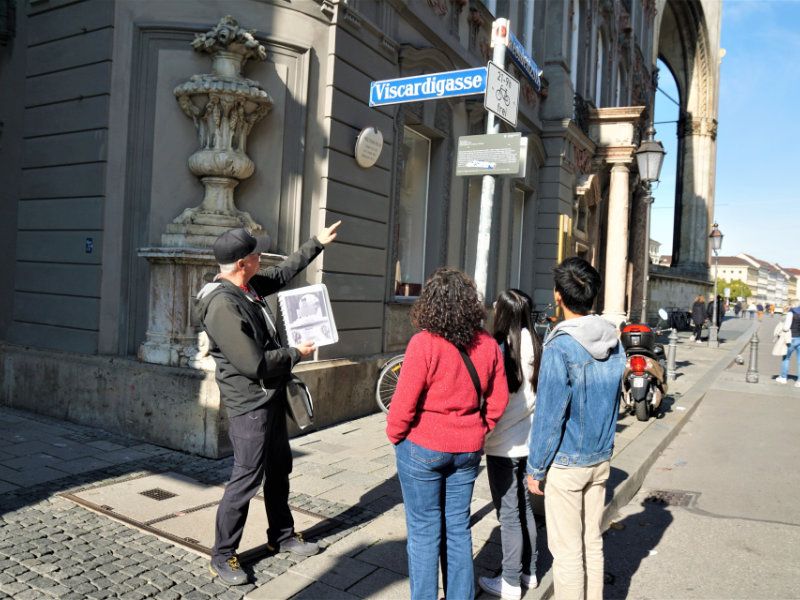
224 107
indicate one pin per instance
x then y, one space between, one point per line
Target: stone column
696 212
617 244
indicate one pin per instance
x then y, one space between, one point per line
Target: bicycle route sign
502 94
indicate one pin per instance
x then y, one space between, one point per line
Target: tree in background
739 289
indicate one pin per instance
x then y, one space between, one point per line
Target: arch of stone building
682 43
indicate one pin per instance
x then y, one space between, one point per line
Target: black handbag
299 403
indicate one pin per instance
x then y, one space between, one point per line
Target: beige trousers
574 499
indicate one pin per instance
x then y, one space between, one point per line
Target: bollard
672 355
752 368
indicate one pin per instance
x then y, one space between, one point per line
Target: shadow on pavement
630 542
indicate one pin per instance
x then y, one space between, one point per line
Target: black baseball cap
238 243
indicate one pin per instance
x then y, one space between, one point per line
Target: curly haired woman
438 422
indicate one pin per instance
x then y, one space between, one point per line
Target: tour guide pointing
252 369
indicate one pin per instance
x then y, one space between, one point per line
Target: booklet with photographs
307 315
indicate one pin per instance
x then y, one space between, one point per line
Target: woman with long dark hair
507 446
438 421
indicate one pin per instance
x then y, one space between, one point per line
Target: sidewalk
52 547
719 489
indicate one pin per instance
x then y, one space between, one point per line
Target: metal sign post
500 30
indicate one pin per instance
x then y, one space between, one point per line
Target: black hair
578 282
512 314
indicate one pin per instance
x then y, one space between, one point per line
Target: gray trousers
261 455
517 525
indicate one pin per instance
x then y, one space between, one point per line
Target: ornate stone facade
224 107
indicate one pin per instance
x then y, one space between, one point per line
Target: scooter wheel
642 410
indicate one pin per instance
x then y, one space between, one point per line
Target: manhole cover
186 515
672 497
158 494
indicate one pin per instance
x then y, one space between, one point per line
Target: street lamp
716 243
649 158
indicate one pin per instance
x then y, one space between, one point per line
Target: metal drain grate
158 494
672 497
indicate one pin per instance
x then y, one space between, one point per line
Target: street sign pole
501 28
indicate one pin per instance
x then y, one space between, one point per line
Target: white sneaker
699 342
797 383
530 581
497 586
782 380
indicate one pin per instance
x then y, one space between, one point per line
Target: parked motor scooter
644 382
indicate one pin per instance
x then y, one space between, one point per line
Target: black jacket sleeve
232 334
275 278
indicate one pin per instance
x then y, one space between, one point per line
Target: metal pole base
672 355
713 340
752 367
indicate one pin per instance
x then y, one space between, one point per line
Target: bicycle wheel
387 382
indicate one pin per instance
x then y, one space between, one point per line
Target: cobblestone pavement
53 548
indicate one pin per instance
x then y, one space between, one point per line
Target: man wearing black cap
252 369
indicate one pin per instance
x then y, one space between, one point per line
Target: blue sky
758 141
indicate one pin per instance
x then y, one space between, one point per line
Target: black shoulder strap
473 374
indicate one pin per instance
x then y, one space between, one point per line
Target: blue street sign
524 61
433 86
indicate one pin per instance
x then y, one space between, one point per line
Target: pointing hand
328 234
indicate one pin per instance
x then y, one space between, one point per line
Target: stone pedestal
176 276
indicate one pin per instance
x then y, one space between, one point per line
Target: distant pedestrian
737 309
572 439
438 422
760 310
751 310
698 317
791 324
507 447
252 370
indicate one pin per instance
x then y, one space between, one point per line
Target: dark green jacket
252 366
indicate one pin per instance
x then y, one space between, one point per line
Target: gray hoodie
597 335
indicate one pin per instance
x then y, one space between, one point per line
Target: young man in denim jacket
573 430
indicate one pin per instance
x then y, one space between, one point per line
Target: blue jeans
517 524
791 348
437 492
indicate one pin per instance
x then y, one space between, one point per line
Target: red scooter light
636 329
638 364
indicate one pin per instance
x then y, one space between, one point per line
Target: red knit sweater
435 404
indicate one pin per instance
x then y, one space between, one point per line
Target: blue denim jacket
577 403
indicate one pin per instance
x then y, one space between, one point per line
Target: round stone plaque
368 147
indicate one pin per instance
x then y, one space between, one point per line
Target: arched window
575 24
598 81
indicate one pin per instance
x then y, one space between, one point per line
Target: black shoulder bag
473 374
